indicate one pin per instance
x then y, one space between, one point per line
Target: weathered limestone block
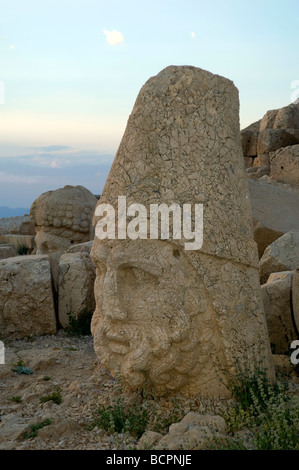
62 217
249 142
27 228
257 172
76 286
26 299
81 247
271 140
281 255
278 309
170 319
7 251
248 162
282 118
18 241
13 225
284 165
274 210
263 160
193 432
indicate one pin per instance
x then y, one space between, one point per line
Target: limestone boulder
284 165
286 117
278 128
21 242
14 225
81 247
7 251
75 286
277 298
249 137
27 228
26 298
281 255
193 432
270 140
274 210
12 427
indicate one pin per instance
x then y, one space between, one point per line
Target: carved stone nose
111 306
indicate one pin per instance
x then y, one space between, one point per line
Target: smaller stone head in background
62 217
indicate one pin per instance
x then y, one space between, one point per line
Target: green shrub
17 399
119 418
267 408
22 249
35 428
55 397
21 369
80 326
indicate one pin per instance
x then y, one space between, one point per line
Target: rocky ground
65 366
62 385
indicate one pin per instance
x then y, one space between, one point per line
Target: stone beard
154 323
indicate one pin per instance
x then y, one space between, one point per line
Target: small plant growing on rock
120 418
22 250
55 397
80 326
17 399
21 369
34 428
267 408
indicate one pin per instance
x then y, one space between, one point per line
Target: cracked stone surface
168 319
26 299
62 217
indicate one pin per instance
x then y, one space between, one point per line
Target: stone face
274 210
167 318
26 299
284 165
278 309
281 255
62 217
76 286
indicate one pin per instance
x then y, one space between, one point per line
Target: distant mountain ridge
11 212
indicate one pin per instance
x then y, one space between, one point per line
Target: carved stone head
62 217
169 319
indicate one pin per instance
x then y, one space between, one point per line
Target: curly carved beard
147 356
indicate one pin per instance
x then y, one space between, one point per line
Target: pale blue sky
65 85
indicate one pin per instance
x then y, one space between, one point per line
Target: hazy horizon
71 72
